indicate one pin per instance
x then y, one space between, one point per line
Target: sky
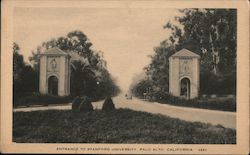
126 36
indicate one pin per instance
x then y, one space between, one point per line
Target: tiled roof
185 53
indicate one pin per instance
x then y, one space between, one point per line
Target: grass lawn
118 126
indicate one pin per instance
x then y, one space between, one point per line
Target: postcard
125 76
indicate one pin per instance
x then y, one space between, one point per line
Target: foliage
211 83
108 104
80 78
84 82
210 33
88 70
86 105
18 62
219 103
25 78
141 87
28 99
76 103
157 70
117 126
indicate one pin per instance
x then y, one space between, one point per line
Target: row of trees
89 74
25 77
212 34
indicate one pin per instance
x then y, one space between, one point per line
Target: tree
79 76
142 87
25 78
210 33
157 70
18 62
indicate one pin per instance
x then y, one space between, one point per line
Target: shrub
224 104
108 104
40 99
76 103
86 105
211 83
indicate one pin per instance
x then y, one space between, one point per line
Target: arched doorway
185 88
53 85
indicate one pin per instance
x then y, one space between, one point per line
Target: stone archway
184 64
53 85
54 62
185 88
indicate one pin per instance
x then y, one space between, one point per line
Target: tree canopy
25 78
210 33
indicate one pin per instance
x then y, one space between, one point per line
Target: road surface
226 119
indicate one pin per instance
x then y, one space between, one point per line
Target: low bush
76 103
40 99
211 83
108 104
86 105
224 104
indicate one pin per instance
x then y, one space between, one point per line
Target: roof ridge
59 49
54 51
185 53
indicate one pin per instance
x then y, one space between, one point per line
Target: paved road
226 119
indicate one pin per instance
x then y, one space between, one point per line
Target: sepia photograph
125 75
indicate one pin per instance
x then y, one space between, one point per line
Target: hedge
39 99
219 103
